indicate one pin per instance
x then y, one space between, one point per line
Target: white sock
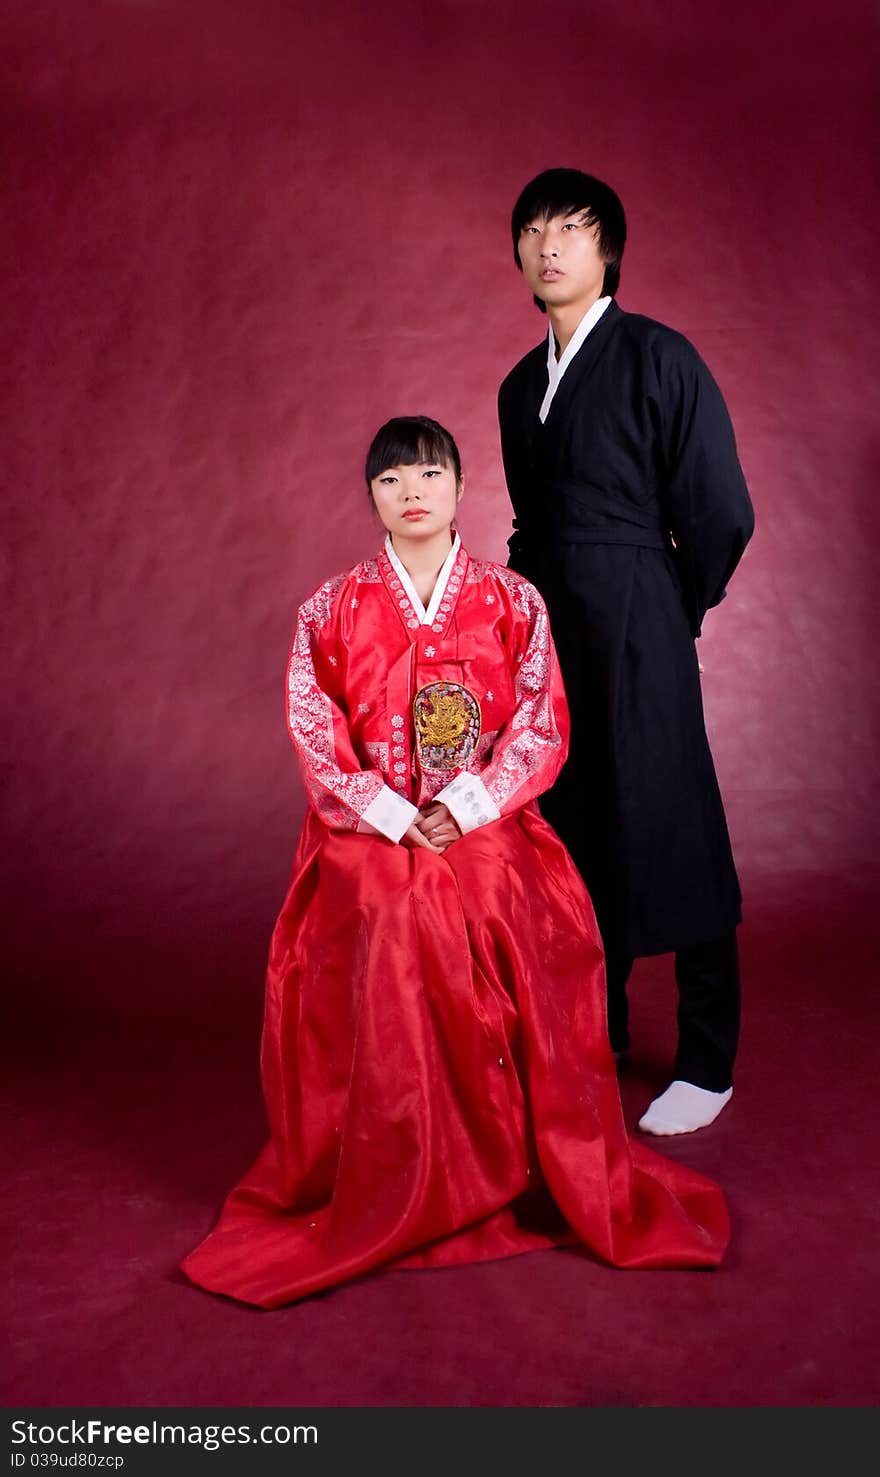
682 1108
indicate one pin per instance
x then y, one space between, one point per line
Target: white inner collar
425 616
556 367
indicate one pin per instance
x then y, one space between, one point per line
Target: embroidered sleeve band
469 802
339 788
389 813
531 748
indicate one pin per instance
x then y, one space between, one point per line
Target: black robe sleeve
704 498
517 461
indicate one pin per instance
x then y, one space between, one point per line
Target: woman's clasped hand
435 828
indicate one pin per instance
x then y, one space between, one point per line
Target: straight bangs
409 440
547 207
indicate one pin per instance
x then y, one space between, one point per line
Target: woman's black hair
407 440
571 192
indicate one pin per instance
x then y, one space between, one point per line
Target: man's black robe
630 515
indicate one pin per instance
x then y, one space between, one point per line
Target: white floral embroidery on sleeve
337 787
527 754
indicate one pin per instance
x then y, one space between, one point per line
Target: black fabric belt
576 513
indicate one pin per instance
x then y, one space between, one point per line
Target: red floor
126 1135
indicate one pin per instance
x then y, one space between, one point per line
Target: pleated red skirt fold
438 1078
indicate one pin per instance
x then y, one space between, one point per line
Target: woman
435 1059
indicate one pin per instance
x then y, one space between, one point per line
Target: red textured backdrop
236 237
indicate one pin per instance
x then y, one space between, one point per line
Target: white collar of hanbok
439 590
556 367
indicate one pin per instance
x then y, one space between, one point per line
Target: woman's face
416 502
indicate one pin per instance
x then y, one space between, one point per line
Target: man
631 514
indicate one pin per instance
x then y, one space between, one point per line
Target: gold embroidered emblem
447 724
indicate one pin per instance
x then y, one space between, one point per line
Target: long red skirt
438 1077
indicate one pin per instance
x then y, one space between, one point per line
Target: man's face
561 261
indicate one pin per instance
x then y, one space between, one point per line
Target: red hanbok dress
435 1060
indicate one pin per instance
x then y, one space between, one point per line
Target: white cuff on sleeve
389 814
469 802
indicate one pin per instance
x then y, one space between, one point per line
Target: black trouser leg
617 971
708 1013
